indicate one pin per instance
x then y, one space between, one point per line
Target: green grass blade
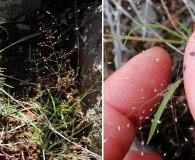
52 101
157 25
160 26
184 28
162 107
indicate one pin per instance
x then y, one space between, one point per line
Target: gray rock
10 9
91 56
91 73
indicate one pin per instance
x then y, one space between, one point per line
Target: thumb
189 73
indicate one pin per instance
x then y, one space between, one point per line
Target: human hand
128 98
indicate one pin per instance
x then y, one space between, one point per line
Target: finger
118 134
143 76
189 73
133 89
135 155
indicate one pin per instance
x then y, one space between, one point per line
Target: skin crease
120 94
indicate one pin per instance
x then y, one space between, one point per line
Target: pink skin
142 76
133 85
134 155
189 73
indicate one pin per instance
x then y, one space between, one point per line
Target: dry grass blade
21 40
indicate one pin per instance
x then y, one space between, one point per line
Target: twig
171 20
13 129
14 100
145 39
21 40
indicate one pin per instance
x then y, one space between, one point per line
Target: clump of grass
45 113
49 134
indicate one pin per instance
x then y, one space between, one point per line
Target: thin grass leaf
185 29
21 40
54 144
24 118
115 37
52 101
5 30
81 129
160 26
157 25
162 107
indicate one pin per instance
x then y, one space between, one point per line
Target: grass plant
47 115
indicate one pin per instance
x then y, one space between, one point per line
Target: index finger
132 86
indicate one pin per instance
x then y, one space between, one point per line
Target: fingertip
132 90
189 73
133 85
